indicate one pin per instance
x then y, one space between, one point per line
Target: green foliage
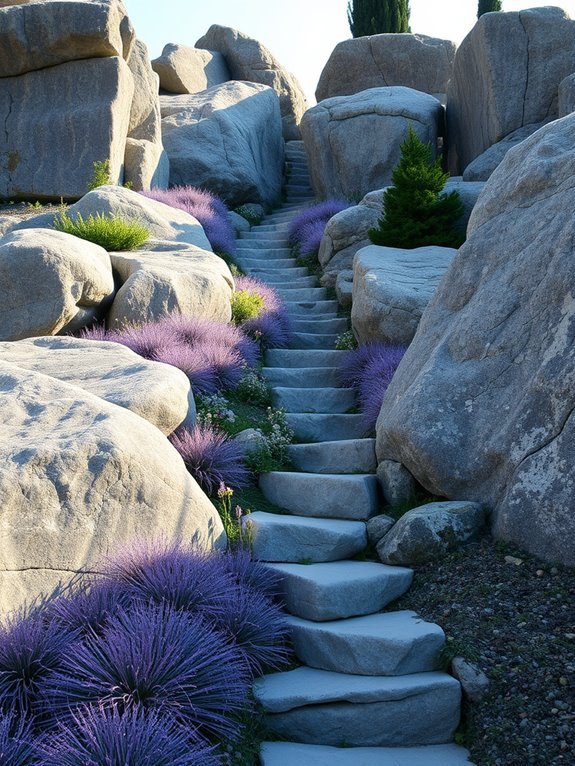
112 233
415 212
373 17
246 305
251 213
488 6
254 389
100 175
346 341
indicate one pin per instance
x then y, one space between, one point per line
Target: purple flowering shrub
307 228
369 370
209 209
157 671
271 326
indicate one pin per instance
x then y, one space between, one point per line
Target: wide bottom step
297 754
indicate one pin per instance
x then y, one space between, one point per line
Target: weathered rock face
146 165
353 142
506 75
50 282
44 34
80 477
59 121
182 69
391 288
484 165
416 61
566 96
227 139
159 393
491 371
248 59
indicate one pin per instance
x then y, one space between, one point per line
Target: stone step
282 282
340 589
263 236
324 708
326 428
308 340
261 246
327 496
337 325
298 539
384 644
312 307
289 357
343 457
335 400
311 377
298 754
305 294
263 272
258 263
269 228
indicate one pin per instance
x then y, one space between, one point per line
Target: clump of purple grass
16 741
369 369
104 737
211 457
248 573
307 228
272 328
207 208
155 659
88 607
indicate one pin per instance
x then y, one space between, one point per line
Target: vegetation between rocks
373 17
113 233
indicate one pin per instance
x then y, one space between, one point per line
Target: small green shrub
346 341
253 214
254 389
110 232
415 212
246 305
100 175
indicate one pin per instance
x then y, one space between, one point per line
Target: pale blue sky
300 33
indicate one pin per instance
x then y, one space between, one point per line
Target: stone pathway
367 692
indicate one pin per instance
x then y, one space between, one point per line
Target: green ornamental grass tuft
246 305
112 233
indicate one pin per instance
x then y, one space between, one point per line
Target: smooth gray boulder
52 136
50 282
183 69
157 392
424 533
474 682
484 165
146 165
392 287
416 61
397 484
248 59
566 96
227 139
505 76
79 478
378 526
353 142
491 371
39 35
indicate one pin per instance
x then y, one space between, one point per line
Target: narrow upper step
320 707
334 400
280 357
343 457
385 644
298 754
303 294
296 539
311 427
336 590
307 377
310 308
337 325
326 496
314 340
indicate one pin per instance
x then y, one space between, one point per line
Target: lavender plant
16 741
307 228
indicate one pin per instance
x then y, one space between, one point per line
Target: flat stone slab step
340 589
338 325
319 707
283 282
310 308
305 294
335 400
298 754
385 644
253 250
310 427
325 495
289 357
305 340
310 377
257 263
268 270
348 456
296 539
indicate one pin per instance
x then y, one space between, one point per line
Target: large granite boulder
416 61
157 392
227 139
146 165
482 404
391 289
506 75
80 477
248 59
484 165
566 96
50 282
58 121
353 142
182 69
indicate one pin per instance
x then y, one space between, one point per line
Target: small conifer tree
488 6
415 212
373 17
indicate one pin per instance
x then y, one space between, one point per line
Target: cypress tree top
373 17
488 6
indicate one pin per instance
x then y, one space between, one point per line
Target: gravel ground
514 617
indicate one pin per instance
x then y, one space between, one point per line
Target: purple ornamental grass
104 737
272 301
248 573
211 457
16 741
305 228
273 327
201 375
155 659
88 608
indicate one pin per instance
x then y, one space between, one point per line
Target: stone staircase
368 691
